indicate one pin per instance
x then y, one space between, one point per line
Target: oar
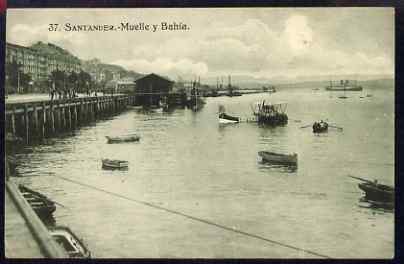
60 204
306 126
336 127
361 179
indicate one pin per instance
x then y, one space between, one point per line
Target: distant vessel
121 139
344 85
270 114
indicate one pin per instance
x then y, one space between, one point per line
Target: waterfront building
152 88
38 64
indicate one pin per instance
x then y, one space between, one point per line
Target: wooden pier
34 121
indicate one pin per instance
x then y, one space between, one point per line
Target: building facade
39 65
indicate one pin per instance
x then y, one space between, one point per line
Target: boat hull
377 192
74 247
42 205
276 158
114 164
115 140
228 119
342 88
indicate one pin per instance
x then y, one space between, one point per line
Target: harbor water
192 184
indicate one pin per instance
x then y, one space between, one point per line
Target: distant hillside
50 49
248 82
368 84
97 65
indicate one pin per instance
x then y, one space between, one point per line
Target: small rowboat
228 119
276 158
42 205
114 164
73 246
320 127
121 139
378 194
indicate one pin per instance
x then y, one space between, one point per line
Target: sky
256 42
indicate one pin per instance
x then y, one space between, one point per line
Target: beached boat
320 127
270 114
124 138
114 164
277 158
344 85
65 237
42 205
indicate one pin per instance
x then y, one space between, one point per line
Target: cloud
166 66
28 34
296 42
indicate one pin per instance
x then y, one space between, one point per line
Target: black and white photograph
200 133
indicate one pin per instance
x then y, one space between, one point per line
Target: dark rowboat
377 192
65 237
121 139
114 164
42 205
225 118
320 127
277 158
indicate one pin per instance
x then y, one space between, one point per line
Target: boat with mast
270 114
344 85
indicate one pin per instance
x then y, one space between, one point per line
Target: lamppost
18 81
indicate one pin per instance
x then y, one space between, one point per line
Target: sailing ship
195 102
231 89
344 85
270 114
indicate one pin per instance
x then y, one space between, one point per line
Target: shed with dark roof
152 88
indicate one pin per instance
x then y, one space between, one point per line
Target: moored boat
73 246
375 192
320 127
124 138
227 119
270 114
42 205
114 164
277 158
